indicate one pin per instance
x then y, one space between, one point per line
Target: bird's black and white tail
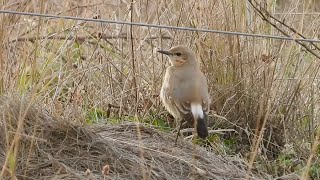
201 118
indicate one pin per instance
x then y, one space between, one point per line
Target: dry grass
266 90
56 149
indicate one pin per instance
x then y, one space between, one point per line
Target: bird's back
190 86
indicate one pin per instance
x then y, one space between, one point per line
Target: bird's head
180 56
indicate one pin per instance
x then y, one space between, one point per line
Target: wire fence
160 26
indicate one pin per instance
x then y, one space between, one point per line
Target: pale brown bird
184 91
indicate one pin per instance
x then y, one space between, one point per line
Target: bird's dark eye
178 54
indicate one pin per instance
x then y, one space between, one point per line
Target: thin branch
287 26
264 16
79 38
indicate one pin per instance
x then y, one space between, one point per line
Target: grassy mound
35 145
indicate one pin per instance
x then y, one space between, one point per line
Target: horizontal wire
158 26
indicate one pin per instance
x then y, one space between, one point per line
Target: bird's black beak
164 52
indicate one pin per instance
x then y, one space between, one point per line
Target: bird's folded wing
183 107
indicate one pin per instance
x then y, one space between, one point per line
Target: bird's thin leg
178 133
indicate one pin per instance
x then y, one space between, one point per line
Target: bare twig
217 131
264 14
79 38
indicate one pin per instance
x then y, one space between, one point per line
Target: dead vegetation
265 90
52 148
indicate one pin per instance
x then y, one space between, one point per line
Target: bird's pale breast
166 96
